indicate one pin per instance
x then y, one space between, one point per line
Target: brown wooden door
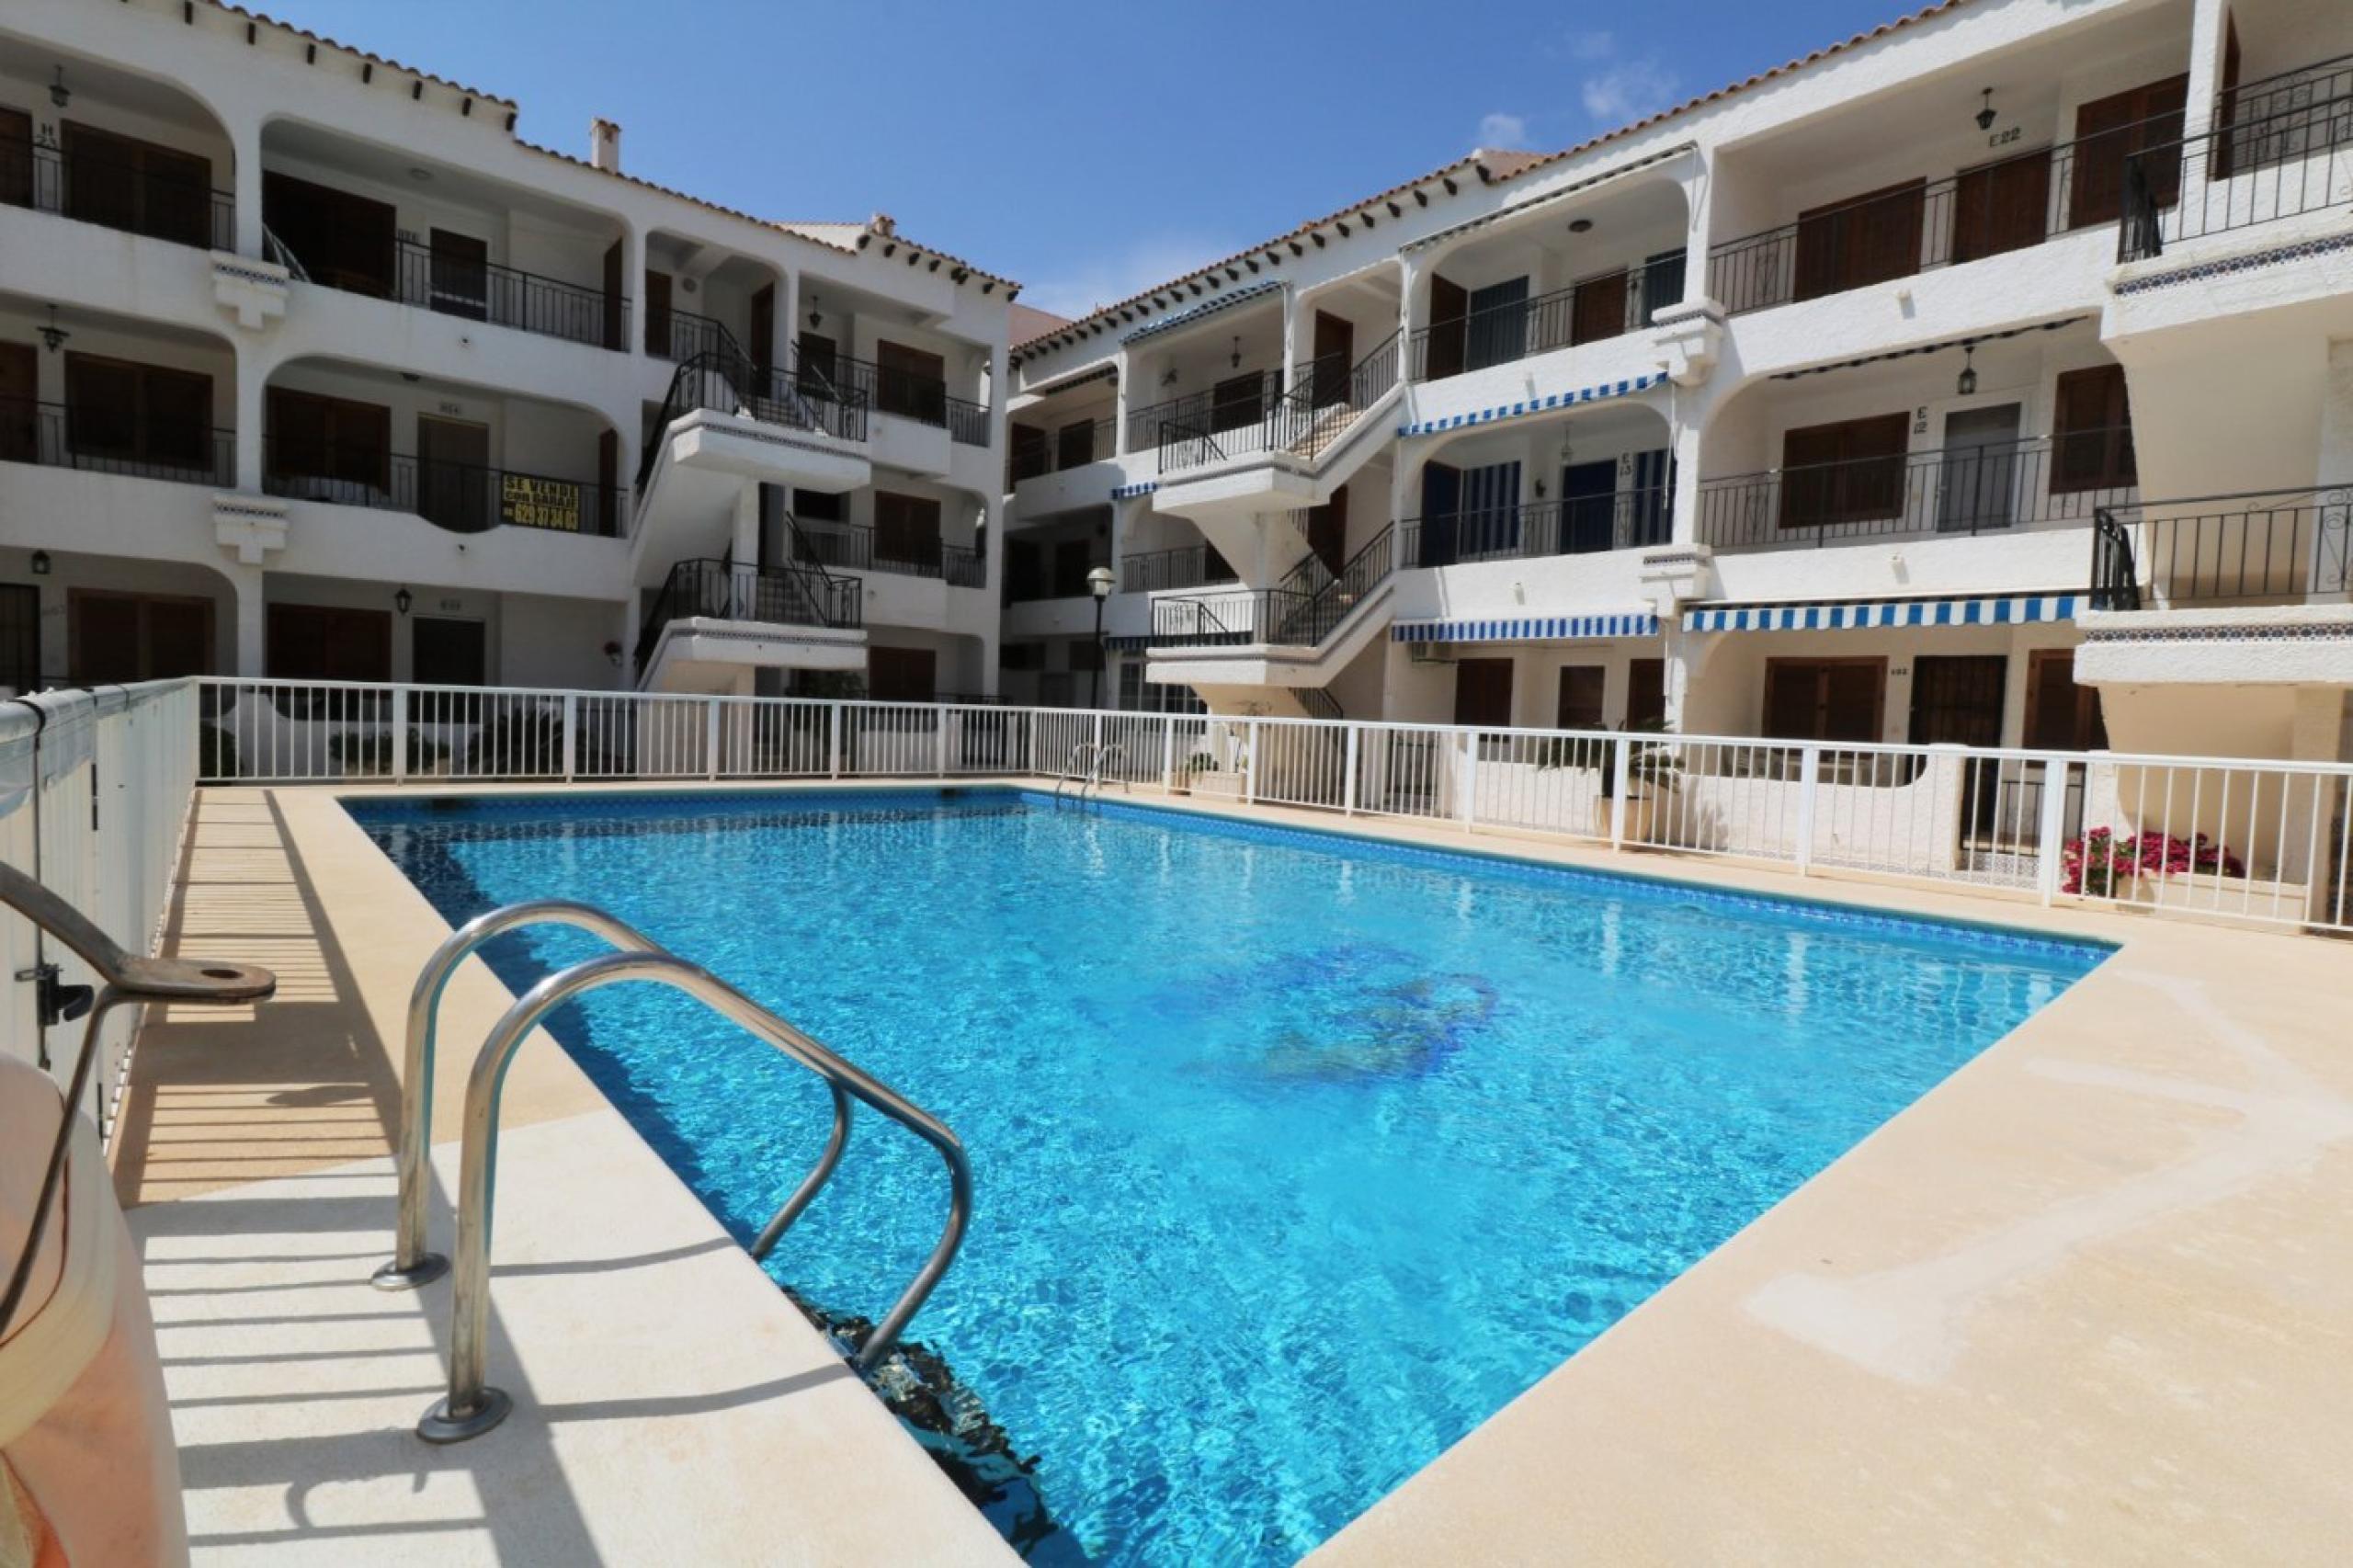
328 642
344 443
900 674
16 157
1327 531
658 316
2092 434
1075 444
341 240
906 529
19 638
1647 694
1450 321
1824 699
2001 207
1579 705
116 637
1851 471
452 474
147 415
1597 309
1865 239
1237 402
2061 715
1335 355
125 183
1482 693
616 312
2222 161
19 404
2108 132
762 348
912 382
818 371
1957 699
443 651
460 272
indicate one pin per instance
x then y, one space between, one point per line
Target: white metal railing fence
2243 839
95 787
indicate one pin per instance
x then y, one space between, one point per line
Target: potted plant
1200 762
1652 772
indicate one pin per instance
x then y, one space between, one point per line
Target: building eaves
258 18
1206 307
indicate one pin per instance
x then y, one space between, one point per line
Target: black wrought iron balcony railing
2276 547
116 441
163 204
1187 567
2065 478
910 395
798 397
1301 611
2251 169
1038 451
857 548
461 497
1305 420
1590 312
726 590
1926 223
681 336
1580 525
411 273
1238 402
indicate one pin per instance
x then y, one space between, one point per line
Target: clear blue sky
1086 149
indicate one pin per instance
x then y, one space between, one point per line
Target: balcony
859 549
1189 566
1592 311
774 596
680 336
1582 524
1961 491
924 399
455 283
1037 452
163 203
2282 148
461 497
1304 422
112 440
2291 547
1923 225
1301 611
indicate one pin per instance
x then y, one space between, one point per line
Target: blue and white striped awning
2011 611
1535 629
1535 405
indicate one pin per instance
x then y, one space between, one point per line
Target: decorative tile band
2304 631
2222 267
1128 492
1542 629
1535 405
2015 611
1126 644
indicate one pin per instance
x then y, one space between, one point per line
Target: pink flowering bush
2097 861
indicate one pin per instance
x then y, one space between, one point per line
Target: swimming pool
1296 1155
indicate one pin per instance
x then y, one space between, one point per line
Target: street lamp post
1098 583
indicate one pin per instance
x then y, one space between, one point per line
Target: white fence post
2051 833
1167 754
711 738
1348 778
940 751
1471 781
1621 779
570 735
1250 765
833 740
400 734
1808 785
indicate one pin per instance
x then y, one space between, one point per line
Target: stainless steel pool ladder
1090 776
472 1407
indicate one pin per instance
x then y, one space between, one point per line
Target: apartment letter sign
539 503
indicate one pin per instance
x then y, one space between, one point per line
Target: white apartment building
1984 379
310 365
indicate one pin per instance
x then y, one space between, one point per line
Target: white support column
252 619
245 185
2208 22
2051 832
252 397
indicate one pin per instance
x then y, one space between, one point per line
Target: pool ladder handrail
1096 755
472 1407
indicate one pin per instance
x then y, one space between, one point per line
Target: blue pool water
1295 1156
